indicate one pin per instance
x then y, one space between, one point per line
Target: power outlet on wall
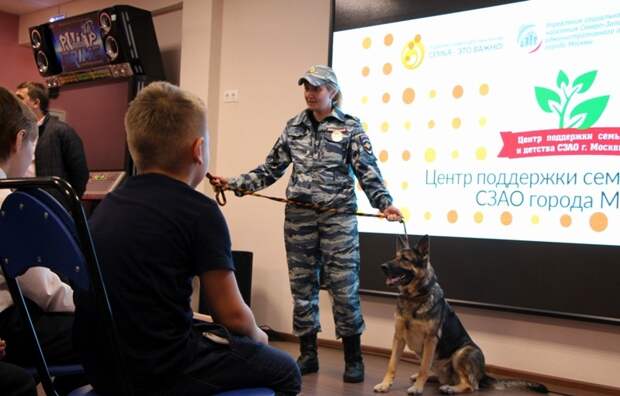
231 96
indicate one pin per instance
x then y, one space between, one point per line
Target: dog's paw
447 390
382 387
413 390
431 378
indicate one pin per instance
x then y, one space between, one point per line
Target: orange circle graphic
598 221
566 220
383 156
408 95
452 216
457 91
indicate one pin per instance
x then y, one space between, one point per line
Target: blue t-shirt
152 236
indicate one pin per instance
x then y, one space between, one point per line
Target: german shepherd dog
426 323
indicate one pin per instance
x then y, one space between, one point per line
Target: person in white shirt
14 380
50 300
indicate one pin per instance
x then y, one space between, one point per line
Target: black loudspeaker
128 36
42 43
243 274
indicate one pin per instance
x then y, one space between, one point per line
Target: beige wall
168 28
200 60
265 46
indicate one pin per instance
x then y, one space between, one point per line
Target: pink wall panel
17 61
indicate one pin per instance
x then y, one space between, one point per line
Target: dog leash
220 198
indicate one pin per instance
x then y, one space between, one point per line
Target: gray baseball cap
319 75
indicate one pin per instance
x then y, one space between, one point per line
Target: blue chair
36 230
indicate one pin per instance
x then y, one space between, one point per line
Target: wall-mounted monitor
78 42
115 42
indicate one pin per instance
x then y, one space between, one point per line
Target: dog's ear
423 246
402 243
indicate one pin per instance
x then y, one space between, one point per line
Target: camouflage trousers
325 242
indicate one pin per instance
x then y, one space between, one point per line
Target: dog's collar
422 292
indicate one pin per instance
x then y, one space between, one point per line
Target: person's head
167 132
321 89
18 133
35 95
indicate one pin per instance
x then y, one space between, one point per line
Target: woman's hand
392 213
218 182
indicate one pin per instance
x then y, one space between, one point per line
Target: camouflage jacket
325 162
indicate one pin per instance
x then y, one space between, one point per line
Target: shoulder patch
365 141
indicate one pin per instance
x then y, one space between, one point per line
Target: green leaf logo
584 114
546 98
562 79
584 82
589 111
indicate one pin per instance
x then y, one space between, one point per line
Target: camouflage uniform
325 162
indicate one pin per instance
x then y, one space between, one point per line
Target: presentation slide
497 123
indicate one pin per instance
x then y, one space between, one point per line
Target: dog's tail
501 384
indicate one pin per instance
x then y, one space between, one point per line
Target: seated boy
152 235
18 132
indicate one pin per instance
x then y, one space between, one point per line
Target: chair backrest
36 231
33 235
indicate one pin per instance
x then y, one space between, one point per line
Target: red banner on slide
592 141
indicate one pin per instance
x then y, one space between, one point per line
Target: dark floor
328 381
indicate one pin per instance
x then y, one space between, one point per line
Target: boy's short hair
38 91
161 123
14 117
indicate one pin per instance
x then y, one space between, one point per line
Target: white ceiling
20 7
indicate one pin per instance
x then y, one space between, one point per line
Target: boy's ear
197 150
19 141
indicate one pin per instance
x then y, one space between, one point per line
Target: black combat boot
308 362
353 364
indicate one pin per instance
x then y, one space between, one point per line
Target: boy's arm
47 290
227 305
